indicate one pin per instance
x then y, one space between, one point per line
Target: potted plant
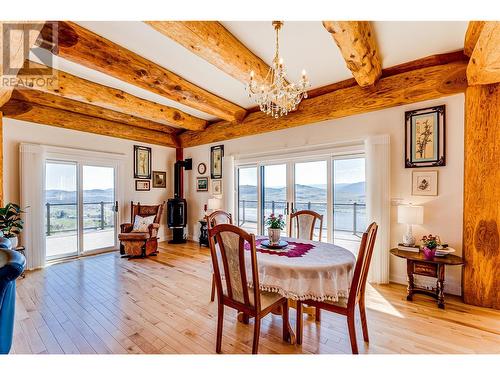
275 225
430 243
11 223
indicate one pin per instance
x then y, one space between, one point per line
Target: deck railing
357 220
100 217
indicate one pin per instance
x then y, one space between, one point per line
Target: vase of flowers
11 223
430 243
275 225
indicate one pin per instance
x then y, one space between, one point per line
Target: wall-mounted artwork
425 137
216 154
142 162
424 183
142 185
217 187
202 184
202 168
159 179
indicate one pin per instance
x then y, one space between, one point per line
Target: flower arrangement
275 222
430 243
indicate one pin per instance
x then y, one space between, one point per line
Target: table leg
440 286
409 271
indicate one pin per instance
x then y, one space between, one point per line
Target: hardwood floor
105 304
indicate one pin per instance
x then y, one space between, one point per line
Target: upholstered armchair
135 243
12 265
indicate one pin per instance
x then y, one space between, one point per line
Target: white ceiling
304 45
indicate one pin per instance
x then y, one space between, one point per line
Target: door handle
116 206
293 210
286 208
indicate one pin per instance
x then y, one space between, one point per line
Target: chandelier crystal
276 96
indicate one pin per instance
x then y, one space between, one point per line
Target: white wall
15 132
443 214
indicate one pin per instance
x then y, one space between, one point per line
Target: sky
59 176
308 173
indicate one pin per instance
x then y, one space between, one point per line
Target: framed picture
217 187
142 185
202 184
159 179
216 154
425 137
142 162
424 183
202 168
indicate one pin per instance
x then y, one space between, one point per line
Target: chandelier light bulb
303 73
252 74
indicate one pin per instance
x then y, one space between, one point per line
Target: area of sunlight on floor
379 303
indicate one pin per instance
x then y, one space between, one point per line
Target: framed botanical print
202 184
424 183
159 179
425 137
217 187
216 154
142 162
142 185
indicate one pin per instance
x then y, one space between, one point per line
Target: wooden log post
481 238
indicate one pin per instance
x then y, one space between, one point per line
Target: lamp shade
409 214
214 203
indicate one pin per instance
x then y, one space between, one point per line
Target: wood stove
177 206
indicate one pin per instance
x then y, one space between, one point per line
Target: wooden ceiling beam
399 89
54 101
484 64
43 115
211 41
72 87
357 44
472 35
84 47
18 50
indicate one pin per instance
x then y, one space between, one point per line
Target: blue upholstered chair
11 266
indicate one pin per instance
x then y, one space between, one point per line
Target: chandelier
276 96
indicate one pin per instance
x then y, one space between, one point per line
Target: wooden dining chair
215 218
356 293
304 222
233 290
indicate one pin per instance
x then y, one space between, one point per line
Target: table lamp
214 204
409 214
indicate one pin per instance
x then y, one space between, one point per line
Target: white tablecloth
322 273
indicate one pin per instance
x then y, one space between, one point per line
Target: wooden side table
417 264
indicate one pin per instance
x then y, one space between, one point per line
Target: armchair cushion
141 223
134 236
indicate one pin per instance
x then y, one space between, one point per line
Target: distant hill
93 195
347 193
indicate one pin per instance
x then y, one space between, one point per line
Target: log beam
54 101
72 87
21 37
484 64
43 115
472 35
481 237
84 47
211 41
399 89
357 44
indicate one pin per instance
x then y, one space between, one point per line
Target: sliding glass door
333 186
80 208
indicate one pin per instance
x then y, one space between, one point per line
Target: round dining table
304 270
